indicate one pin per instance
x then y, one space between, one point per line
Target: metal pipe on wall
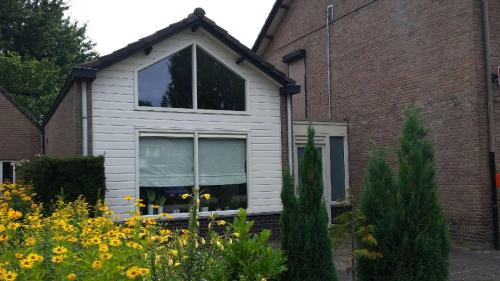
85 143
491 121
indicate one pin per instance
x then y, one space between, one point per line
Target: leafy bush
66 177
69 244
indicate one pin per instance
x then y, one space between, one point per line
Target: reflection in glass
218 87
167 83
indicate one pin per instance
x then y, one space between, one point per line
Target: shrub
66 177
71 245
310 255
410 229
377 208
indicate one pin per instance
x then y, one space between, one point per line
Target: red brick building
20 136
373 58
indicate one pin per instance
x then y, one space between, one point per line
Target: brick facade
20 138
387 54
63 132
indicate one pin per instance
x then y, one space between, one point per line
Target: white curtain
222 161
165 162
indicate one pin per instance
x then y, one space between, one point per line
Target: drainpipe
289 130
491 121
84 119
329 84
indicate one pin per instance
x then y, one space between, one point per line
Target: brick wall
387 54
63 132
19 137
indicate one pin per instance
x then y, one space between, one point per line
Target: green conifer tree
304 222
377 209
290 225
411 229
424 243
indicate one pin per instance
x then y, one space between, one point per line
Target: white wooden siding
116 122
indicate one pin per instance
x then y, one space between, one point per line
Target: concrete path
466 265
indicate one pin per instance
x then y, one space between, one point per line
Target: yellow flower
174 253
26 263
2 228
10 276
206 196
128 198
30 241
103 248
106 256
34 257
59 250
96 264
236 234
144 271
156 206
184 196
19 256
221 222
115 242
57 259
71 276
132 272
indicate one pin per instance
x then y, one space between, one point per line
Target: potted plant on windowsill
151 198
161 203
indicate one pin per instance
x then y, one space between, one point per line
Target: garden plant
75 243
410 228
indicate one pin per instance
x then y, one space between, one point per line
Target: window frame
194 92
196 134
13 170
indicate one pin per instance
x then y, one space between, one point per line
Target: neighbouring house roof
266 33
19 107
194 21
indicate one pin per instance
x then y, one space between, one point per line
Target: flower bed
74 243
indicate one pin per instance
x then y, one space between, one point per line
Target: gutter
85 138
491 121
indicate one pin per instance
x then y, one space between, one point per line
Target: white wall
117 122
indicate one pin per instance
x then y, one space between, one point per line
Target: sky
112 24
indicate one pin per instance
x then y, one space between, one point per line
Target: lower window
169 167
7 172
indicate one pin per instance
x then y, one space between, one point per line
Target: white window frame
193 45
324 130
196 134
13 170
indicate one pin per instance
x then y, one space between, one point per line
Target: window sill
202 215
192 111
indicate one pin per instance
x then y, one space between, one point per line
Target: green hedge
68 177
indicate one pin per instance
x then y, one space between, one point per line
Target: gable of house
20 135
222 132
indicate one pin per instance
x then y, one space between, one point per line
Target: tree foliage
304 222
39 43
411 229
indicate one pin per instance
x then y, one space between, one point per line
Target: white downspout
85 149
289 130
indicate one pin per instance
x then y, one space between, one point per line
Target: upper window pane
218 87
168 83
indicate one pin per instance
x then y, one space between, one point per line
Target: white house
187 106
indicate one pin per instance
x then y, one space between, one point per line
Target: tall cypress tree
411 230
304 222
424 241
290 226
377 208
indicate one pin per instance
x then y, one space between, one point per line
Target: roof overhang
277 13
77 74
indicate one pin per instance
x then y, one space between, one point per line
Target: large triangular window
169 83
